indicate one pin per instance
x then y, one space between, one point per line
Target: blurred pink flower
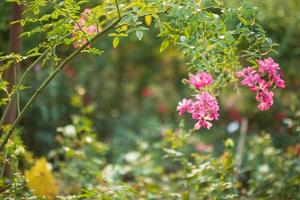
200 80
70 72
162 108
92 29
271 68
261 85
268 66
278 81
265 98
203 123
297 150
205 109
146 92
37 67
184 106
249 75
204 147
279 116
82 30
87 11
235 114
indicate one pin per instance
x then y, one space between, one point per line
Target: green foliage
210 36
16 190
13 182
136 157
168 169
79 156
271 167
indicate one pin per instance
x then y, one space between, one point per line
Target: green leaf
269 41
16 1
164 45
139 35
36 10
243 20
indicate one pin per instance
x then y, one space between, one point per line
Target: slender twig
35 15
72 18
158 13
20 82
49 79
53 54
16 75
33 65
4 163
118 9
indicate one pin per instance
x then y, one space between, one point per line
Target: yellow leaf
40 179
164 45
210 47
123 28
148 20
116 42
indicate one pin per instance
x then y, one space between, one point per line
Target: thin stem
160 12
16 75
84 33
33 65
35 15
4 163
53 54
49 79
118 9
20 82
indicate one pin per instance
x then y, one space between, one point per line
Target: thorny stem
49 79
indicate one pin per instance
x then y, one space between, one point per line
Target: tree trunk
11 76
15 44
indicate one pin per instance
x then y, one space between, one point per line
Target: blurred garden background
110 122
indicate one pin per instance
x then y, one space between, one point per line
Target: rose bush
215 39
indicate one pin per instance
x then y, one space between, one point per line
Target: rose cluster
204 108
200 80
261 80
81 28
